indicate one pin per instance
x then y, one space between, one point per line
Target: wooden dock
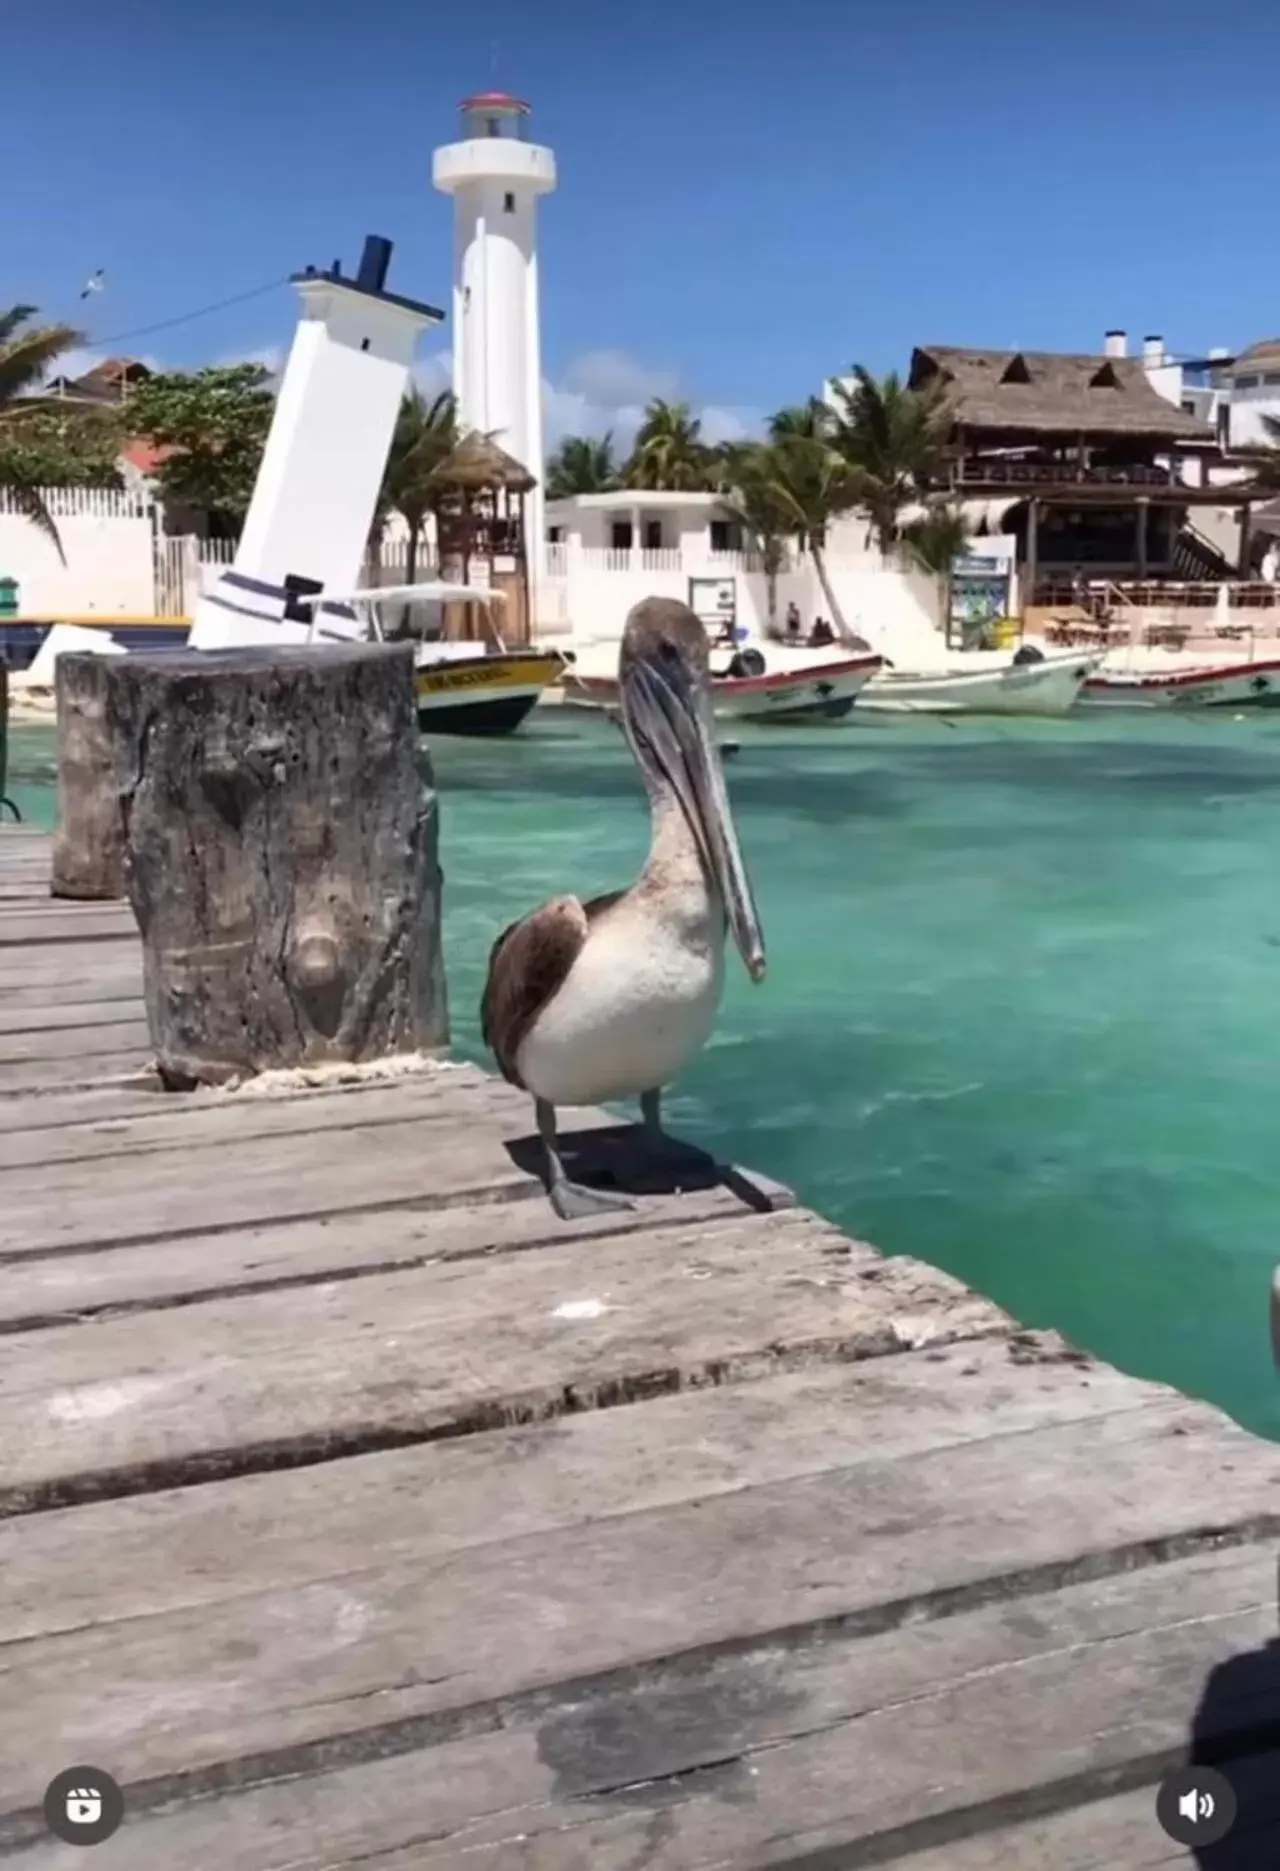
358 1513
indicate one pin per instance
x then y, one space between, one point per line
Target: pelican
610 998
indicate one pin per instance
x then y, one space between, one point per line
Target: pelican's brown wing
528 964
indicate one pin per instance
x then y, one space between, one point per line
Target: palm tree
669 452
1266 455
582 465
811 421
893 441
812 486
749 473
425 433
26 352
932 542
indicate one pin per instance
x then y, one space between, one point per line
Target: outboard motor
748 662
1028 654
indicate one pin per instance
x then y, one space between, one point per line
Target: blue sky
750 197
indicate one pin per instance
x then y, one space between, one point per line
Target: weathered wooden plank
57 912
76 927
899 1544
290 1176
25 871
70 1043
40 1290
71 1127
36 1075
52 966
314 1369
39 880
904 1742
118 979
899 1740
46 1017
77 1105
186 1546
326 1823
1122 1834
255 1108
22 890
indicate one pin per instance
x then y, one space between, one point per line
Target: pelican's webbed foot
570 1200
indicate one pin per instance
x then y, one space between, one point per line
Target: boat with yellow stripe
463 686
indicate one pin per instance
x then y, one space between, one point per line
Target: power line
185 318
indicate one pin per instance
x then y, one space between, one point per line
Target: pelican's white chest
639 1001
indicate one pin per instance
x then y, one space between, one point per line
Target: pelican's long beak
668 716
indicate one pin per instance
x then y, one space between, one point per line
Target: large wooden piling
281 856
88 848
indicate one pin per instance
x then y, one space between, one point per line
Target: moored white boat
462 688
1048 685
1220 685
823 690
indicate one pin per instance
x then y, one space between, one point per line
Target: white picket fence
86 503
185 566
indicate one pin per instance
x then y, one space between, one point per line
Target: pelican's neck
674 874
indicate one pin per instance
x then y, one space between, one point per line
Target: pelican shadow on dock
620 1160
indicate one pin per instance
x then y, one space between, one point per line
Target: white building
608 551
1251 390
1233 391
495 177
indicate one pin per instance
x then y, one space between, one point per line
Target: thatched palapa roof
1054 392
1264 355
476 462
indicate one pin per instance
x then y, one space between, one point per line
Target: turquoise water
1023 1011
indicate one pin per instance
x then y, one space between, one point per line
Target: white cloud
433 375
599 392
606 391
615 380
720 424
270 356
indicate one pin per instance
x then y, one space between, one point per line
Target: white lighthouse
307 528
495 177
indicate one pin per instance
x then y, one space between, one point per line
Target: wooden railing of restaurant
1164 614
977 474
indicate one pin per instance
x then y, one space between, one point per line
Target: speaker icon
1196 1806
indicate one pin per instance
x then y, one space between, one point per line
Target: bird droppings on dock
357 1511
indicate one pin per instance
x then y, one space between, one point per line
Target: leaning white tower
495 177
